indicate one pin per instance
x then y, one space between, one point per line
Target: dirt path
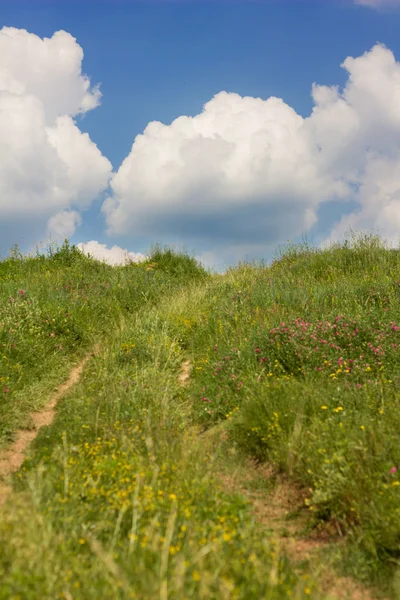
282 512
12 458
273 509
184 375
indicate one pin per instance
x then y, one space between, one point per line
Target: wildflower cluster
102 483
223 386
351 349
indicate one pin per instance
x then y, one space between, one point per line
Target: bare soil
275 509
184 375
12 458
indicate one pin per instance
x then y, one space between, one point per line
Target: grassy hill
267 467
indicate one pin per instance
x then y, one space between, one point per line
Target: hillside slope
145 485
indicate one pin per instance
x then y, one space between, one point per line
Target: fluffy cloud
244 169
366 152
250 171
112 256
63 224
243 174
56 79
47 165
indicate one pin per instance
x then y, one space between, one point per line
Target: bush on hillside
175 263
68 255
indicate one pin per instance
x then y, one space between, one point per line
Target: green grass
302 361
297 363
54 308
118 500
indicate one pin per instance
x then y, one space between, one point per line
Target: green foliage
67 255
118 499
175 263
54 307
302 360
298 362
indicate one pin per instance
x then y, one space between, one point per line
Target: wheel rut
12 457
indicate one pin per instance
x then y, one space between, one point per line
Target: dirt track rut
12 457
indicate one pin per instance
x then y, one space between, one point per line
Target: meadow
271 471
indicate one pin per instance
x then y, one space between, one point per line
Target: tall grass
296 362
301 361
118 499
54 306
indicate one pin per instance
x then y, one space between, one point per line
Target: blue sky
157 61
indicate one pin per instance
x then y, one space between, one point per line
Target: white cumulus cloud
48 69
63 224
112 256
366 153
248 171
47 165
243 174
243 168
